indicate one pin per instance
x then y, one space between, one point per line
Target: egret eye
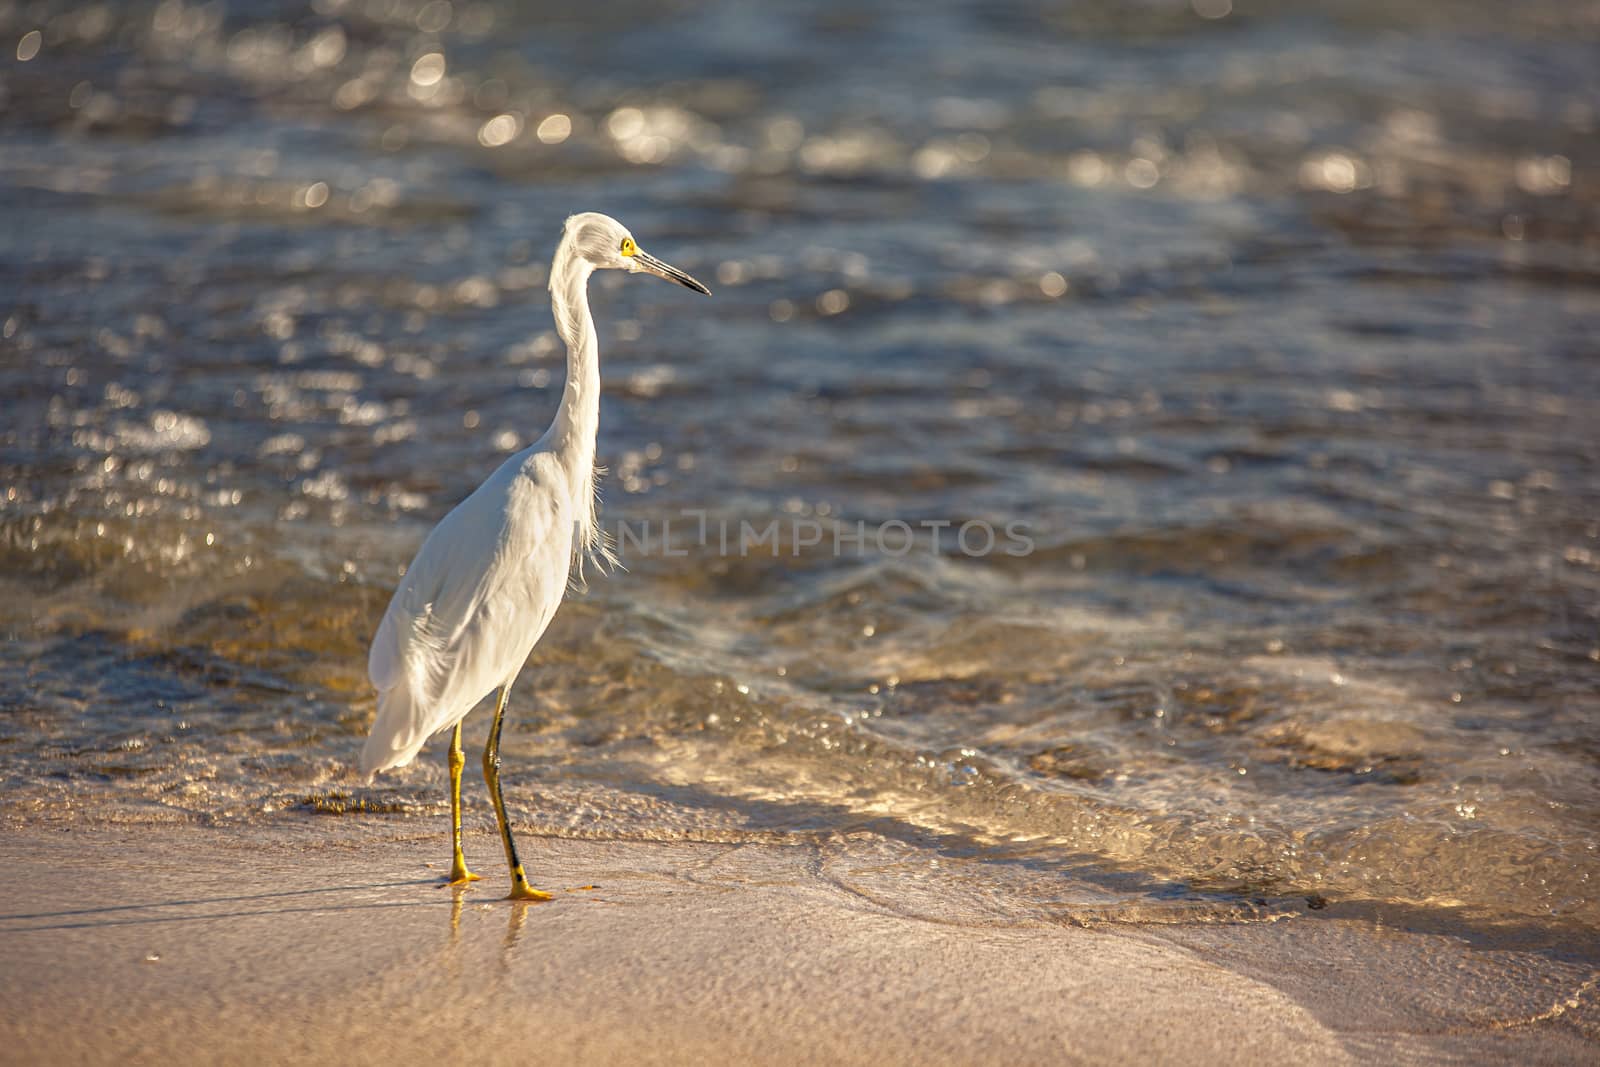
628 247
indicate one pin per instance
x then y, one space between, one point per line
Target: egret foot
461 876
524 891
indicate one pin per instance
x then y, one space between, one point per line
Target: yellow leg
459 875
520 889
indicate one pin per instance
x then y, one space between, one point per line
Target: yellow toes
523 891
459 875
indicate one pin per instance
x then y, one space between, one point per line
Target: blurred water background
1273 324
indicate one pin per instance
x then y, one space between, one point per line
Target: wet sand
244 946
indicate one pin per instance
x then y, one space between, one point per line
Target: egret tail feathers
397 733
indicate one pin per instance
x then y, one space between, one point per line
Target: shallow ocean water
1273 336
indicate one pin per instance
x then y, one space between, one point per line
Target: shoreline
137 945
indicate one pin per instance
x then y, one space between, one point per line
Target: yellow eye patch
628 247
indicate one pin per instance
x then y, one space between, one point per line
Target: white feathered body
471 606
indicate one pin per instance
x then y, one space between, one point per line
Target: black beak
650 263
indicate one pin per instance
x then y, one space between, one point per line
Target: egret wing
469 607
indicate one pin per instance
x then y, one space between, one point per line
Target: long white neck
572 436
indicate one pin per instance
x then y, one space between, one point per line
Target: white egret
490 576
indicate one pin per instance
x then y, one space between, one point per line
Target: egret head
606 244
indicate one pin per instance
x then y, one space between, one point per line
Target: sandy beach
169 945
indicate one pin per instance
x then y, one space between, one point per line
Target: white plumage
472 604
491 575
